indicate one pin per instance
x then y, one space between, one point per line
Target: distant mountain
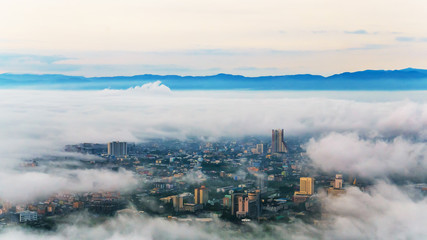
409 73
405 79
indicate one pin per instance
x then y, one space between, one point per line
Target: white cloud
120 227
37 123
40 123
22 186
383 212
156 87
149 88
194 177
366 157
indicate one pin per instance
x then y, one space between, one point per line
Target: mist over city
213 120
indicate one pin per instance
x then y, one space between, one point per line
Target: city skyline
152 119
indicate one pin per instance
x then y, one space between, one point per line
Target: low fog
37 123
373 135
17 186
369 158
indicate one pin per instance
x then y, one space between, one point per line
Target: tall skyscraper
306 186
277 142
118 149
201 195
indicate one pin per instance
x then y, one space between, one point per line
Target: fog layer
372 136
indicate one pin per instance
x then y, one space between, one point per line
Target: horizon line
211 75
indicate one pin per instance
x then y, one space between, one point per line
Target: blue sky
189 37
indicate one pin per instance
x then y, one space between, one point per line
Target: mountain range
404 79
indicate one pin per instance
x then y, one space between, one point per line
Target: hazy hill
405 79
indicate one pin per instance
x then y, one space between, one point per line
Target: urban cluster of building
248 179
61 204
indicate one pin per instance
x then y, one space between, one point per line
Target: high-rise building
338 181
255 203
336 188
261 182
27 216
260 148
306 186
243 206
235 202
118 149
196 195
178 202
277 142
201 195
249 205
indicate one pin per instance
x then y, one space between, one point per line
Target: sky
193 37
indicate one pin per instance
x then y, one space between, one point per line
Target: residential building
201 195
27 216
306 186
117 149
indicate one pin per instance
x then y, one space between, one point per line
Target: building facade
27 216
277 141
117 149
306 186
338 181
246 205
201 195
260 148
336 188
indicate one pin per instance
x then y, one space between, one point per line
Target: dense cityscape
213 120
247 180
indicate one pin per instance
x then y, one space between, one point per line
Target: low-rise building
27 216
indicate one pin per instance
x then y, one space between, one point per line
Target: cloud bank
349 153
383 212
149 88
370 135
40 123
47 120
18 186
